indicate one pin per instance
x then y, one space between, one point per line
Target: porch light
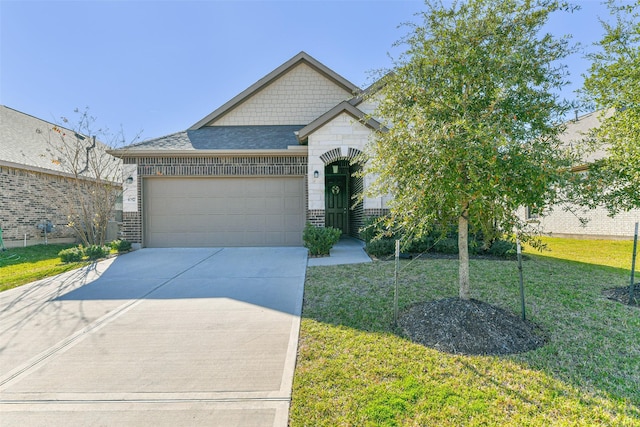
316 174
335 168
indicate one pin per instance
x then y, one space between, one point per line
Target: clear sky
158 67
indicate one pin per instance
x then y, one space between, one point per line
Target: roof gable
343 107
295 93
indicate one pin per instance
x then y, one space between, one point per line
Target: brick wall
559 222
221 166
28 199
296 98
316 217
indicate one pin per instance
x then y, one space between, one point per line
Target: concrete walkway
157 337
346 251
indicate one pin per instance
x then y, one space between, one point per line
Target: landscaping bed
355 367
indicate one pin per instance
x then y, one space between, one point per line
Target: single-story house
34 182
566 221
251 173
279 154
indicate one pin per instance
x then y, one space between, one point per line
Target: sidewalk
347 251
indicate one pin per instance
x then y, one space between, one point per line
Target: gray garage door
197 212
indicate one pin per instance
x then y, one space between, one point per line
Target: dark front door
337 203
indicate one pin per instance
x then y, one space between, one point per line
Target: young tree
97 176
472 115
613 85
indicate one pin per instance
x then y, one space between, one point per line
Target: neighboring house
252 172
33 182
562 222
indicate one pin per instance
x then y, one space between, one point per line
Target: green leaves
613 85
471 110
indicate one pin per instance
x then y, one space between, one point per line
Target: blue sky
157 67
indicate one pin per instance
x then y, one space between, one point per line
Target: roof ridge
301 57
342 107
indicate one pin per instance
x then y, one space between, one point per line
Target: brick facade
31 198
316 217
561 223
205 166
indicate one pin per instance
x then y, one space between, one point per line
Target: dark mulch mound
469 327
621 295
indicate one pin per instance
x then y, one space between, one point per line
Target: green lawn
19 266
612 253
355 369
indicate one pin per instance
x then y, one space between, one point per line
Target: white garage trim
215 212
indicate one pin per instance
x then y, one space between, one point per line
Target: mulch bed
437 255
621 295
469 327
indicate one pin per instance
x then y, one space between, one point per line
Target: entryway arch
342 186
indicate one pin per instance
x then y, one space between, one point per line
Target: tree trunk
463 257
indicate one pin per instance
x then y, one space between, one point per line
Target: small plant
320 240
96 251
74 254
121 245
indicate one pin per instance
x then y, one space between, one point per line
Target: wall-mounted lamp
316 174
335 168
130 180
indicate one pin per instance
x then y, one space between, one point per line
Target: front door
337 203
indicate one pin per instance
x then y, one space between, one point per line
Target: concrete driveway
171 337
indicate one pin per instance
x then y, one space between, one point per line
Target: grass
612 253
19 266
355 369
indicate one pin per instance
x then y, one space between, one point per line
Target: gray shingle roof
225 138
29 143
23 140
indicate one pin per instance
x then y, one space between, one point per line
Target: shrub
423 244
503 249
74 254
447 245
372 228
97 251
381 247
320 240
121 245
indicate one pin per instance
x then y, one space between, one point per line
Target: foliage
320 240
471 114
121 245
94 252
435 241
380 247
503 248
97 176
613 85
78 253
353 368
73 254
